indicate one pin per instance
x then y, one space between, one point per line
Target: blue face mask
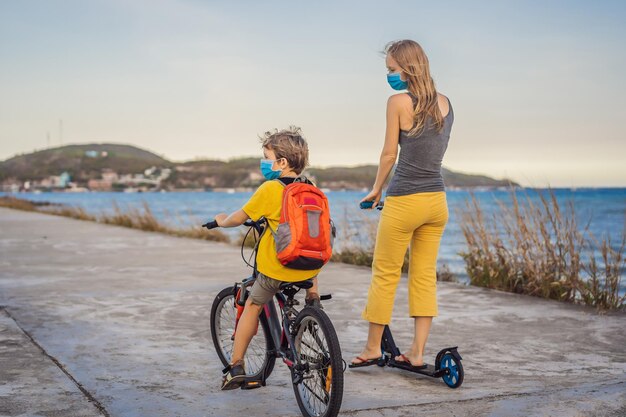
396 82
267 171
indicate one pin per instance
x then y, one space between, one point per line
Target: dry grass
250 239
538 249
74 212
602 287
19 204
140 219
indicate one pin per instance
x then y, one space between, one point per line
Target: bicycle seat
299 284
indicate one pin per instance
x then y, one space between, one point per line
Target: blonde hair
414 64
288 144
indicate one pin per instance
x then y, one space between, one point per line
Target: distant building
109 175
64 180
209 181
96 154
165 173
255 176
11 186
100 185
75 188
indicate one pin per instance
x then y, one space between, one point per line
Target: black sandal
406 363
364 362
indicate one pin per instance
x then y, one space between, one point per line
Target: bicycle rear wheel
320 392
223 318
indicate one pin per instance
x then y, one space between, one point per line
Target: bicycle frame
281 337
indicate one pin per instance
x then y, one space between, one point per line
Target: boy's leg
246 328
313 291
261 292
312 297
235 373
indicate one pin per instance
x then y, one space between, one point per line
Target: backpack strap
300 178
303 179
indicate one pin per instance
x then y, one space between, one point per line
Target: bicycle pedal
251 385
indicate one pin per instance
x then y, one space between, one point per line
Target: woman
416 211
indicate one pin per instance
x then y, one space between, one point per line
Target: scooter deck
430 370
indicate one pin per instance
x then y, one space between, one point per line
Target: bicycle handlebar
211 225
367 205
248 223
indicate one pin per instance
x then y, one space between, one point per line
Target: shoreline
145 221
227 190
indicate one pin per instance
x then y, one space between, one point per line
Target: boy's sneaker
234 376
314 301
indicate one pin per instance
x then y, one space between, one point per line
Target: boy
286 155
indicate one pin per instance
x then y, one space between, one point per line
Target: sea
604 209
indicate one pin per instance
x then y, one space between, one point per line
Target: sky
538 88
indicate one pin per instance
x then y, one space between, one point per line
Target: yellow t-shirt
266 202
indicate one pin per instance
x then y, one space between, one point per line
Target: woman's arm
389 152
233 220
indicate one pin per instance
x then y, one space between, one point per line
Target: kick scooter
447 363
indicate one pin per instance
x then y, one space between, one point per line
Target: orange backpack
305 234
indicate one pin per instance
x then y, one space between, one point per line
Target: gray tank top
419 164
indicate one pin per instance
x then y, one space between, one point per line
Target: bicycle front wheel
223 319
320 391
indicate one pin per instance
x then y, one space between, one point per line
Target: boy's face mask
396 82
267 171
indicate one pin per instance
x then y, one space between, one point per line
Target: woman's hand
375 196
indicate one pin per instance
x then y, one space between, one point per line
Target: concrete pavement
101 320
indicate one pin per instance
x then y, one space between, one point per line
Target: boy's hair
288 144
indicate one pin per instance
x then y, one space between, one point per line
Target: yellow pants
416 221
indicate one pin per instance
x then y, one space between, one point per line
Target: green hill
75 159
85 162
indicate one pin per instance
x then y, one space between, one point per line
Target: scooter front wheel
453 376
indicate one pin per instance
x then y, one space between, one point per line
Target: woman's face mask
267 171
396 82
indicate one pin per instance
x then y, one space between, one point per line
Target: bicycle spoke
256 353
312 349
314 393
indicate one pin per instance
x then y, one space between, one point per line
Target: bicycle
305 340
